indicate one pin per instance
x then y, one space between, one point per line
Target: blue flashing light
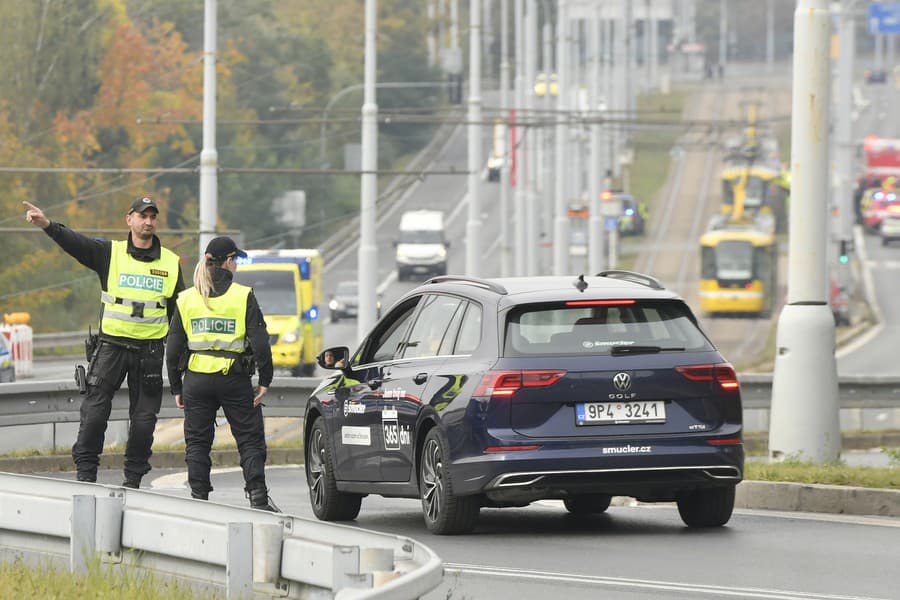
304 269
891 197
877 195
629 211
313 313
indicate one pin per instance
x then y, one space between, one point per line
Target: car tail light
598 302
725 441
507 383
723 373
510 448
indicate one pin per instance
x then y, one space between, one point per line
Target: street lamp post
561 219
473 225
368 251
209 158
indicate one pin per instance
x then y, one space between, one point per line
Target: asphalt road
634 552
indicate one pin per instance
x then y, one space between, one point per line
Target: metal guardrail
40 402
245 552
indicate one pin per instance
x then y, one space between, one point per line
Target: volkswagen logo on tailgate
622 381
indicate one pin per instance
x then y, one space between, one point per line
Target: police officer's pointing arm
93 254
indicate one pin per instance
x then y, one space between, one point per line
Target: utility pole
723 34
505 250
770 35
473 226
517 150
432 42
597 165
368 250
843 129
561 218
804 421
530 167
209 158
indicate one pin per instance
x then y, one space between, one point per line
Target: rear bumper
649 469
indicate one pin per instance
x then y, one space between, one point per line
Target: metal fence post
239 565
82 536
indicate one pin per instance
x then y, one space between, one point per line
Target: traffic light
844 253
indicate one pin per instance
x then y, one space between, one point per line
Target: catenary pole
843 122
505 249
209 158
518 148
560 217
804 423
473 225
597 165
368 251
530 138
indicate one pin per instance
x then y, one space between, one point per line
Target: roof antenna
580 283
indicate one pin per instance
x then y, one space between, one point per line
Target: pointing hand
36 216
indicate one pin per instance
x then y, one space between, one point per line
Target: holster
81 379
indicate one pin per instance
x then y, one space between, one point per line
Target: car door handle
375 383
420 378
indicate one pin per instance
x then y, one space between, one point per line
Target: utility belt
245 360
150 353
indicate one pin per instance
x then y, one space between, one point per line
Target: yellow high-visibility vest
219 328
134 303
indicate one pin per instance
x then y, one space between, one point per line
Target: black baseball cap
223 247
142 204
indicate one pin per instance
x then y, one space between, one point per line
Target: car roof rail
633 277
484 283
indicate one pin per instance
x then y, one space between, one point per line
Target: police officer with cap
213 325
139 279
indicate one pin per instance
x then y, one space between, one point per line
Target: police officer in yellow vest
139 280
214 324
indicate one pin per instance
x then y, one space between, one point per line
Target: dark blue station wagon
476 393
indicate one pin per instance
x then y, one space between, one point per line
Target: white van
421 245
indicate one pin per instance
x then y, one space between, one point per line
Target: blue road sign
884 17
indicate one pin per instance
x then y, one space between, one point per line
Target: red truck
881 161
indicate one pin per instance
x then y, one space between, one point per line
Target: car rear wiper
620 350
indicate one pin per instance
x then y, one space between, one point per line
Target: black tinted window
559 329
389 333
431 326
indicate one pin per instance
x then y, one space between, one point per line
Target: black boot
131 483
200 495
259 498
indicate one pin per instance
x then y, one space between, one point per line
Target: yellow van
287 284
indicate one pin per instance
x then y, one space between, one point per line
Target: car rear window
595 330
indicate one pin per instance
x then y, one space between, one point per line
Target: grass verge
828 474
18 580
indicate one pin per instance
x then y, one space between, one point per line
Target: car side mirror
337 357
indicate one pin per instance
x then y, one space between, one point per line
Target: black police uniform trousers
203 394
142 364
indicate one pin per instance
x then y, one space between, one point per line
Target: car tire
707 508
587 504
445 513
327 502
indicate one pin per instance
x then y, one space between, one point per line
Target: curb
809 497
765 495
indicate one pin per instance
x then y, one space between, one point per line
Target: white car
890 227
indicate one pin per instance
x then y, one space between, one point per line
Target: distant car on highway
890 225
875 75
7 367
344 302
477 393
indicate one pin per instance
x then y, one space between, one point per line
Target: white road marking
646 584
